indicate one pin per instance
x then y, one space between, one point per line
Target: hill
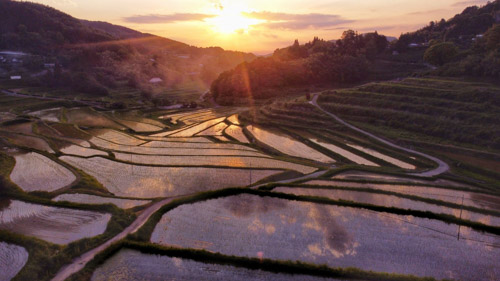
98 57
318 62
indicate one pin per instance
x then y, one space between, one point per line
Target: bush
441 53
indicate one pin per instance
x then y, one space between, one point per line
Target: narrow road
80 262
442 166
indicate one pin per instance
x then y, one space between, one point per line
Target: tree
441 53
493 37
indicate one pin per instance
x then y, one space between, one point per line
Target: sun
231 19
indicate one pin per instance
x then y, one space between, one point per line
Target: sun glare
231 19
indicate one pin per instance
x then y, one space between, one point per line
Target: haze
261 26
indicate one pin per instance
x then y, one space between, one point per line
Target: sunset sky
260 26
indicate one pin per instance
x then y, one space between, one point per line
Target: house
155 80
395 53
49 65
413 45
16 77
183 56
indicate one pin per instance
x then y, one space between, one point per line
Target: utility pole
461 209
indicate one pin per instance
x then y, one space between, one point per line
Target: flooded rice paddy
237 133
228 161
345 153
390 201
392 160
215 130
55 225
361 175
35 172
287 145
133 265
82 151
182 149
116 137
139 126
336 236
12 260
189 132
150 182
92 199
473 199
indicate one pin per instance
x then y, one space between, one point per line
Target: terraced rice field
201 145
82 151
89 118
189 132
92 199
473 199
150 182
392 160
345 153
228 161
115 137
12 260
338 236
49 115
237 133
139 126
287 145
55 225
359 175
234 119
390 201
182 149
28 141
133 265
35 172
215 130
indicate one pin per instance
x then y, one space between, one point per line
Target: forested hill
460 29
347 60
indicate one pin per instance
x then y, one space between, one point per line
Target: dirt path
80 262
442 166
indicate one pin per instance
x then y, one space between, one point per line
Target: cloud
468 3
178 17
297 21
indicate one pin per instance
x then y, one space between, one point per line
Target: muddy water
133 265
12 260
390 201
198 128
251 226
56 225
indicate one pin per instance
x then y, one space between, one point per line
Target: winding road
442 166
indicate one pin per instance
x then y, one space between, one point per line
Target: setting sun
231 19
